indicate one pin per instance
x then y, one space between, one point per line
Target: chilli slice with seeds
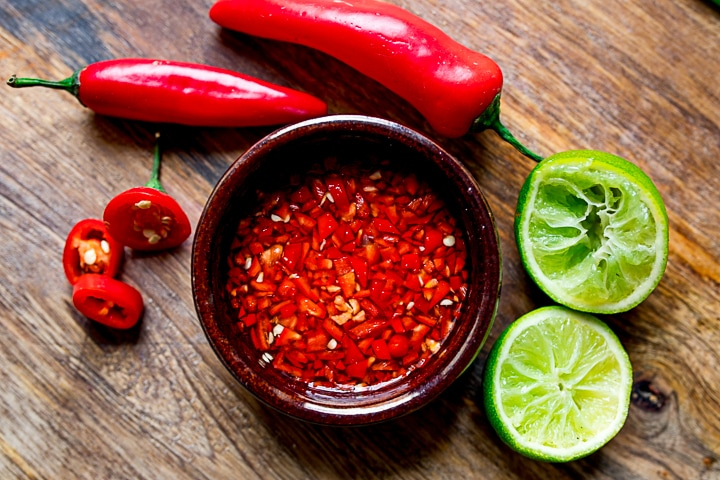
89 248
147 218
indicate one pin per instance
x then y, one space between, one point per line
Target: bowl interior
268 166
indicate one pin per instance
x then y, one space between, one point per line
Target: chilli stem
154 181
490 119
70 84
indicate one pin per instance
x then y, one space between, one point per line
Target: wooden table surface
635 78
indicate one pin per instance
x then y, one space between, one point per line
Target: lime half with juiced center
557 384
592 231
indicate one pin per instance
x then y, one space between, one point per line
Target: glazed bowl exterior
261 167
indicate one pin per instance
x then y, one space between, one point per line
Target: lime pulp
592 231
557 384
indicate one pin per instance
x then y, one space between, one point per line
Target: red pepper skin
89 234
135 215
107 301
449 84
183 93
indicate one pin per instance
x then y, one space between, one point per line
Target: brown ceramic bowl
263 166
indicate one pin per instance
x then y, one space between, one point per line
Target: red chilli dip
352 275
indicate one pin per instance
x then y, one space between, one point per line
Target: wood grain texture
638 79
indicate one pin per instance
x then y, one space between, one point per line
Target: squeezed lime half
557 384
592 231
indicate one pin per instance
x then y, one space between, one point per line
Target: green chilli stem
154 181
70 84
490 119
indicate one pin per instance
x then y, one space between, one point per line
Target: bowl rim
362 410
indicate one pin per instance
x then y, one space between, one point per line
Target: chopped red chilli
348 277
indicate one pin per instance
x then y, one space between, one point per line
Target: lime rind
592 231
557 385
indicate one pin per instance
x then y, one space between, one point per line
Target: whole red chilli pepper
455 88
182 93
